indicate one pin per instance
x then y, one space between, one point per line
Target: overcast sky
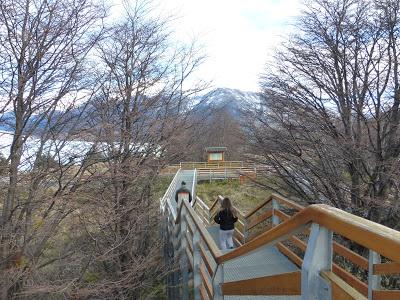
238 36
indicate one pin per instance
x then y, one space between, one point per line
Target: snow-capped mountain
232 101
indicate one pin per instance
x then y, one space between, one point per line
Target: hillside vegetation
244 196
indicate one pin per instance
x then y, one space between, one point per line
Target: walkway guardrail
306 235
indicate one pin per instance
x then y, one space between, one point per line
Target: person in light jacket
226 219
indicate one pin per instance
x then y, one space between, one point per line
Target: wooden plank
206 236
287 202
351 279
350 255
206 260
240 226
385 294
340 250
281 215
237 242
203 293
201 202
206 282
252 236
239 235
387 268
371 235
290 255
213 205
299 243
191 227
340 289
190 258
189 242
258 219
281 284
258 207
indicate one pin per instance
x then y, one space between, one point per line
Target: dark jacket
225 219
183 190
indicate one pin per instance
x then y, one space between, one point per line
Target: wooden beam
203 293
281 284
206 260
290 255
281 215
258 233
237 242
258 207
189 241
258 219
239 235
387 268
340 289
350 255
191 227
374 236
351 279
206 236
287 202
385 295
190 258
206 282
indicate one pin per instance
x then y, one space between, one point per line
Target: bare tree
140 119
43 51
329 123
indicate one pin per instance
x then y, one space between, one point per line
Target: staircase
284 251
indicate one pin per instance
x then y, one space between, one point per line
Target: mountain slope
230 100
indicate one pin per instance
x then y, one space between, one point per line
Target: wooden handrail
258 207
280 199
369 234
386 269
212 246
337 248
342 286
214 203
359 260
287 202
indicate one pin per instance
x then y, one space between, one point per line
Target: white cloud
238 36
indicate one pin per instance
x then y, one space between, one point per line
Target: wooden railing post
218 281
275 218
318 257
374 281
196 264
183 258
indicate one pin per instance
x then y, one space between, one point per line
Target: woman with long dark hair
226 219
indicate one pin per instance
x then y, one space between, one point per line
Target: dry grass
245 196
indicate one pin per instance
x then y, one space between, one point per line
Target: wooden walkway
263 266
